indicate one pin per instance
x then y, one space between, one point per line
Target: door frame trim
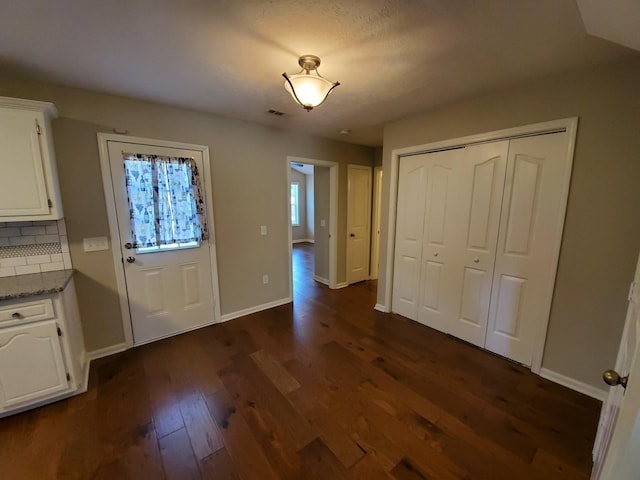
107 183
333 211
376 222
570 125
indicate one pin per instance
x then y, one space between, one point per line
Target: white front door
169 286
615 452
358 223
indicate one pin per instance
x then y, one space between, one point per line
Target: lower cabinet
42 355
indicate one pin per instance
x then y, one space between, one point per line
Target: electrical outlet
265 279
95 244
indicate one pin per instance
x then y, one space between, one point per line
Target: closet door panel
528 242
438 297
409 226
480 188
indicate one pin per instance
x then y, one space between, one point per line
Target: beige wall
602 230
248 161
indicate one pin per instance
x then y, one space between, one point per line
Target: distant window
295 204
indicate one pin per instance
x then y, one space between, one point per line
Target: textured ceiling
392 57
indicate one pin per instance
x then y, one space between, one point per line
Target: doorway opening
312 207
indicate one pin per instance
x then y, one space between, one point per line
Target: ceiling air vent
277 113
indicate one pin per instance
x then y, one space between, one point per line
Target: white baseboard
258 308
573 384
381 308
106 351
324 281
304 240
341 285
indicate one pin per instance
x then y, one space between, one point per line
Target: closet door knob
476 260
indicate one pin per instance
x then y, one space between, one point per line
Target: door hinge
59 331
38 129
632 289
50 203
68 377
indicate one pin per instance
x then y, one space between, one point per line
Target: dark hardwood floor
325 389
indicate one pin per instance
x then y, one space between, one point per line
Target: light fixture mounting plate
309 62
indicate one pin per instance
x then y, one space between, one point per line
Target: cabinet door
31 364
23 188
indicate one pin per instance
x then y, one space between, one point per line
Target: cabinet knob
476 260
16 315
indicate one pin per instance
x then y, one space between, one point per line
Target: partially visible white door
412 177
617 445
169 290
530 233
358 223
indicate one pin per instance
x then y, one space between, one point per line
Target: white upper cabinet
28 176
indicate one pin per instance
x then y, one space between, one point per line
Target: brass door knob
613 378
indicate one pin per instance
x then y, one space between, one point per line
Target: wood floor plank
203 433
320 462
276 372
218 466
244 450
177 456
367 468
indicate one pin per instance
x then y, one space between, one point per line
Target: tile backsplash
33 247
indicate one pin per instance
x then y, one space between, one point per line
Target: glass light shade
310 90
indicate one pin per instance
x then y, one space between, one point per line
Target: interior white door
169 290
615 452
358 223
528 242
475 223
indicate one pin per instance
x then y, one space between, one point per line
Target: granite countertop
23 286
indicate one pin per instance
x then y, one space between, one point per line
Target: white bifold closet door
475 235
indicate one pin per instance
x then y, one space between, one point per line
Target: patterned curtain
165 200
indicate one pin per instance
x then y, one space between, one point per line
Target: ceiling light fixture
307 87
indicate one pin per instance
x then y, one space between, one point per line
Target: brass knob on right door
613 378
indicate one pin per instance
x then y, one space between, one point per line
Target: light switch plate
263 229
95 244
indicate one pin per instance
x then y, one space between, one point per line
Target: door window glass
166 208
